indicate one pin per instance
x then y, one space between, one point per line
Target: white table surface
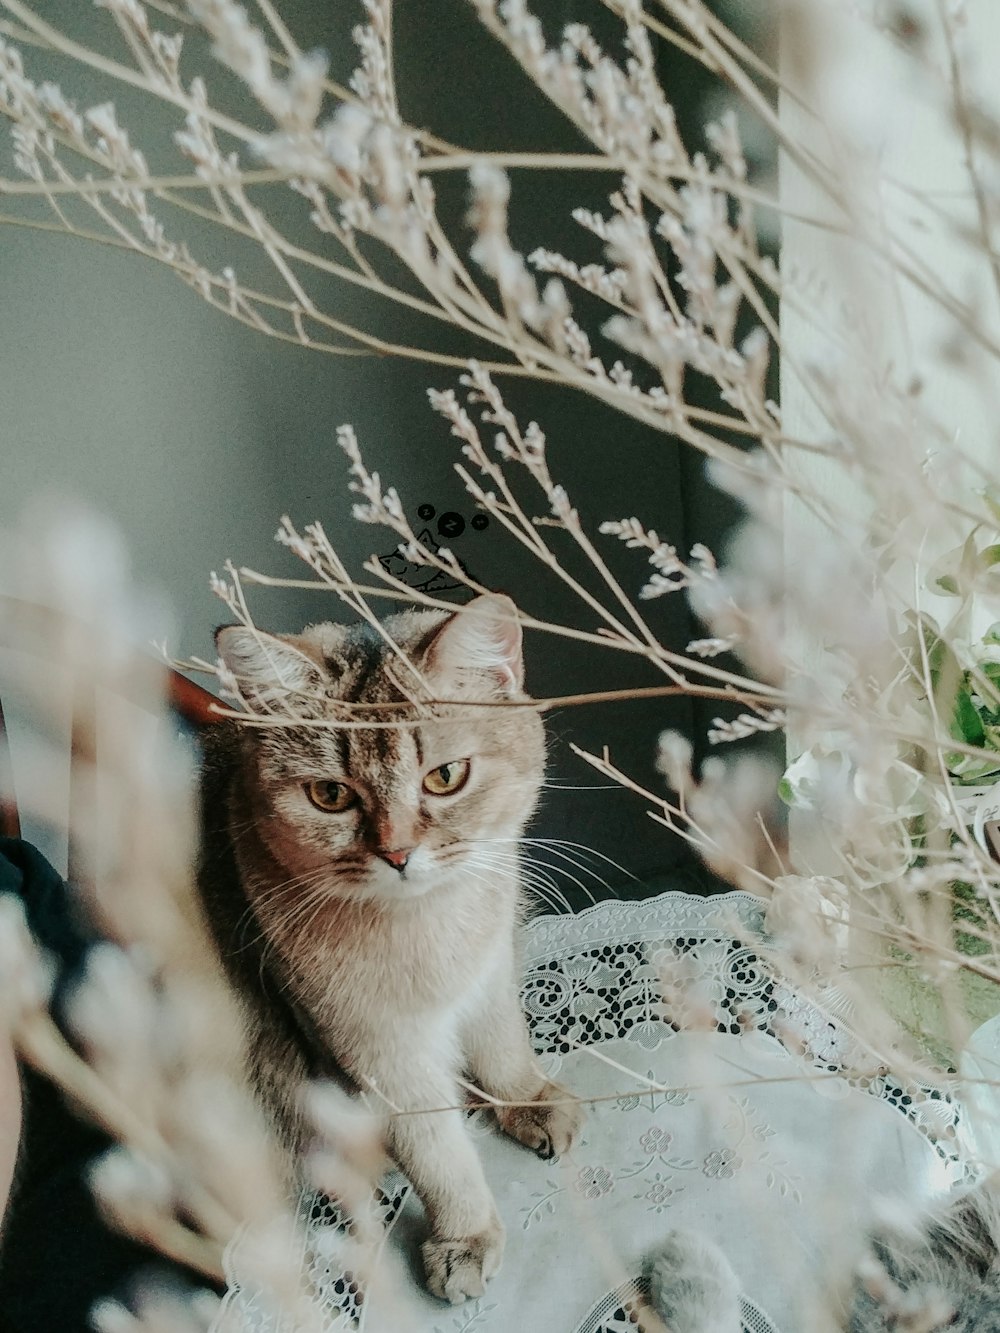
778 1157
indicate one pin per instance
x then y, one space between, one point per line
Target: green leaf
971 771
941 660
953 571
942 663
958 570
786 792
966 723
987 688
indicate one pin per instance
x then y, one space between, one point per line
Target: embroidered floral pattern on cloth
663 1017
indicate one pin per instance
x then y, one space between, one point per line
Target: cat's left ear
485 636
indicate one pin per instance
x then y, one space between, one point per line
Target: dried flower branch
823 601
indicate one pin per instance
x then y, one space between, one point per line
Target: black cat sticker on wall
423 578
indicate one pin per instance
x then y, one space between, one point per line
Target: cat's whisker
546 893
507 872
482 879
315 897
316 885
492 884
275 892
568 874
516 865
565 857
508 857
242 939
307 925
551 898
583 850
530 844
557 847
536 876
541 888
240 831
499 847
308 881
293 881
537 883
527 859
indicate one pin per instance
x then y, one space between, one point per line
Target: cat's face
390 812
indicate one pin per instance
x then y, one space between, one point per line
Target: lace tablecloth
775 1136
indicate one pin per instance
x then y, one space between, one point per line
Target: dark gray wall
194 434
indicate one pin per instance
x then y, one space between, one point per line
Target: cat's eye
331 797
448 779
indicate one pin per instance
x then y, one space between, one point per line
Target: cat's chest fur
365 963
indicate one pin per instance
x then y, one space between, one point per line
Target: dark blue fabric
57 1256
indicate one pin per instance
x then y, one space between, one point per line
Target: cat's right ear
268 671
483 638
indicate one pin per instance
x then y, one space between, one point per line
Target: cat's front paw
459 1269
549 1130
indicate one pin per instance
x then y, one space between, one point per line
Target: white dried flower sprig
525 308
158 1060
115 1014
527 448
675 293
746 725
364 171
293 101
377 506
133 1190
618 620
158 1311
349 1154
726 812
622 109
607 283
672 573
374 80
808 919
47 125
674 755
713 647
731 816
25 975
157 53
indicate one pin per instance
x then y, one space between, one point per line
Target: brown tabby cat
362 886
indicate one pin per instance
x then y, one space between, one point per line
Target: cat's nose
397 859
